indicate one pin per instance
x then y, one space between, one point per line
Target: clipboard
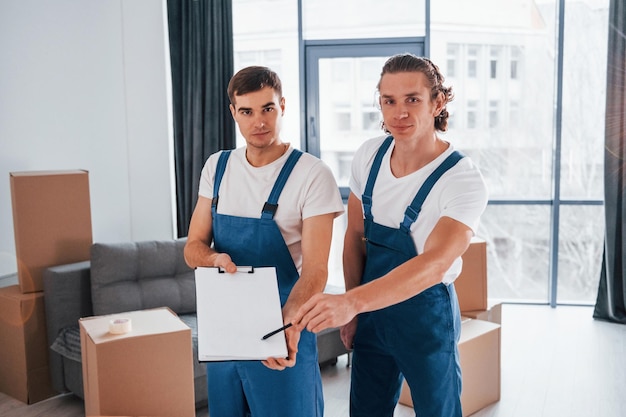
234 311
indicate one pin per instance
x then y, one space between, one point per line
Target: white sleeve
465 195
207 176
322 194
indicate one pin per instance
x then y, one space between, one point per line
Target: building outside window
452 60
515 55
472 114
493 114
472 61
495 53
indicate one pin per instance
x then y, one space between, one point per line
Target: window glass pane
472 114
335 263
501 63
515 54
353 19
342 119
341 70
472 68
262 38
349 113
452 61
472 61
371 119
580 253
512 39
514 114
495 52
518 242
584 99
493 114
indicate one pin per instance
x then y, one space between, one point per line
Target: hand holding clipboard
234 311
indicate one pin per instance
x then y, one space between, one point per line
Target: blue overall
248 388
417 338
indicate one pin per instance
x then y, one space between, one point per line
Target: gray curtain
201 53
611 301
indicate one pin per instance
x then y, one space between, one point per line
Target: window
514 114
501 63
472 61
451 120
356 19
371 118
341 71
515 54
271 58
343 120
453 58
451 67
495 52
472 114
493 114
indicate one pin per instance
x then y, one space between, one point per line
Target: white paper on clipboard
234 311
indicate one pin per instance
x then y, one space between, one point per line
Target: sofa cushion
140 275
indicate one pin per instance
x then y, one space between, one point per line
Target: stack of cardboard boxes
52 225
479 346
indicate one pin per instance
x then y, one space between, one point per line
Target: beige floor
555 363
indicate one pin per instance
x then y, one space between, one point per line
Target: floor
555 362
560 362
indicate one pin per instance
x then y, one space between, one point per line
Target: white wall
84 84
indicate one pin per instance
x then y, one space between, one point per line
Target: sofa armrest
67 298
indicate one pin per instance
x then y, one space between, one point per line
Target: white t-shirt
460 194
311 190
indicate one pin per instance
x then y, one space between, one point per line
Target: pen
270 334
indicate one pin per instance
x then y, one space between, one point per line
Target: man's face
405 102
259 116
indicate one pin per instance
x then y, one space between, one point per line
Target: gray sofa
125 277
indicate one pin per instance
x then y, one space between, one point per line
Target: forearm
400 284
447 242
198 253
311 282
316 239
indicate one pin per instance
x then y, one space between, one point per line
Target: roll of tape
120 326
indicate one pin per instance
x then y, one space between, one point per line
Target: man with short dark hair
276 207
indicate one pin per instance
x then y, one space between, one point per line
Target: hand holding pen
273 332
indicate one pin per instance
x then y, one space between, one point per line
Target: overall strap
412 211
366 198
219 174
271 205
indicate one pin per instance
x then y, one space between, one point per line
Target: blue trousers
248 388
416 339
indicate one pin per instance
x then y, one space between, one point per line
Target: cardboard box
479 352
145 372
51 222
24 373
493 313
471 284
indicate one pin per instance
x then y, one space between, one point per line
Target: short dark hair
411 63
253 78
